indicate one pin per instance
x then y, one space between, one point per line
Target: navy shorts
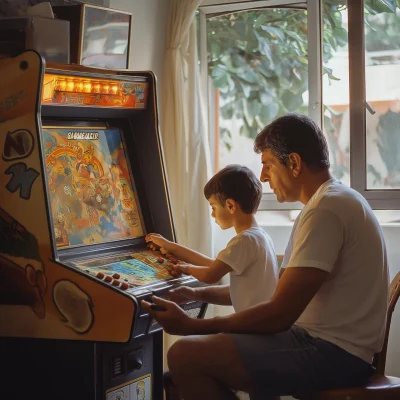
295 363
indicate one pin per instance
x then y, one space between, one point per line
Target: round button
124 286
116 276
116 282
100 275
108 278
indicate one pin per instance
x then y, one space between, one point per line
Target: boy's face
221 213
279 177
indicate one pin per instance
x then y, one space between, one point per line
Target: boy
234 194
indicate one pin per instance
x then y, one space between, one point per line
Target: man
327 316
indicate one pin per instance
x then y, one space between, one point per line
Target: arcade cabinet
82 181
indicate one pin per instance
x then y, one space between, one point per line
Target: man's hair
295 133
238 183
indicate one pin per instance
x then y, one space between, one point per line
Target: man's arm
295 290
215 295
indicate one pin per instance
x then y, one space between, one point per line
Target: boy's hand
159 241
182 295
180 268
174 270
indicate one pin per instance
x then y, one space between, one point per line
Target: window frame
383 199
387 199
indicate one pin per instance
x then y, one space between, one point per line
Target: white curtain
185 130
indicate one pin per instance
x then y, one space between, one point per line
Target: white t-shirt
252 258
337 232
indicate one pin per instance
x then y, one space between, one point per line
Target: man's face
220 213
280 178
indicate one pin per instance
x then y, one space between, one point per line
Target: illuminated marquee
80 91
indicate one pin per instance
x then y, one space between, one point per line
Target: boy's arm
215 295
188 255
211 274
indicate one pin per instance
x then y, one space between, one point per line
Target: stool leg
171 391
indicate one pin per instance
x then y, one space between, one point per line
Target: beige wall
148 33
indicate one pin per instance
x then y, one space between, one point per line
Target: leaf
266 98
220 77
244 130
274 31
291 101
260 20
269 112
384 5
250 76
296 36
246 88
215 49
227 111
253 108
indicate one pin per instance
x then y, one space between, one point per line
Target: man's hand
182 295
159 241
173 319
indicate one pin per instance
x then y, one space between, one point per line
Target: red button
100 275
116 283
124 286
116 276
108 278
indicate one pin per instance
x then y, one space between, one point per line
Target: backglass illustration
91 191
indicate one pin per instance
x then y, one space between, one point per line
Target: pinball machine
82 180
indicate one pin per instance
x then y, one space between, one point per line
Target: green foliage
382 31
258 59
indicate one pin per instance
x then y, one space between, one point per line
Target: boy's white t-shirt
337 232
252 258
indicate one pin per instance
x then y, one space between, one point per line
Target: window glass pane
382 69
258 63
336 88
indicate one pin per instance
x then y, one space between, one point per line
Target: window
266 58
260 68
374 110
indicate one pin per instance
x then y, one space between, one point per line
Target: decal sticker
19 144
24 287
74 305
22 178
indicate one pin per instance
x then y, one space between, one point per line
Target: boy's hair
238 183
295 133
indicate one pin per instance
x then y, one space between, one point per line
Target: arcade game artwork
91 191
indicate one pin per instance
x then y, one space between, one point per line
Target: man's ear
295 164
231 205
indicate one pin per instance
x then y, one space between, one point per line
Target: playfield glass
92 195
138 269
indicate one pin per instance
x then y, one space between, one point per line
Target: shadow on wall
12 8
